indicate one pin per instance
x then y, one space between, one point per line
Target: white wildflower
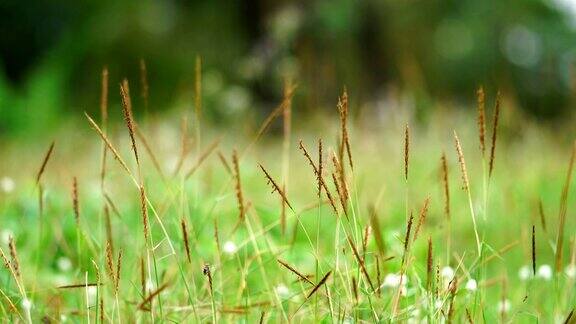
503 306
571 271
92 292
447 273
393 280
525 273
64 264
230 247
149 286
438 303
7 185
6 234
26 304
471 285
282 290
544 272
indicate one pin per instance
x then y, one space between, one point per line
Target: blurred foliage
52 54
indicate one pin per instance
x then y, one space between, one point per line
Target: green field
191 230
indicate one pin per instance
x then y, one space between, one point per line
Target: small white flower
230 247
393 280
149 286
525 273
571 271
63 318
26 304
7 184
471 285
282 290
503 306
64 264
438 303
447 273
92 292
545 272
6 235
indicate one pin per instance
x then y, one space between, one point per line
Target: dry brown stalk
15 263
533 250
360 262
81 285
108 222
378 275
445 183
343 110
224 162
142 305
118 271
296 272
238 186
375 223
203 156
407 238
494 134
406 151
355 289
569 317
542 215
481 119
217 236
144 211
318 176
143 277
75 203
185 239
320 168
150 152
453 290
365 238
287 100
340 195
45 162
104 96
110 262
319 284
429 265
563 210
469 317
275 187
422 217
466 184
128 118
341 178
108 143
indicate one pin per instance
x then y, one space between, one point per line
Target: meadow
342 216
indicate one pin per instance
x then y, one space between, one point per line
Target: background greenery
52 52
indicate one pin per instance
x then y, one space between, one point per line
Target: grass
387 222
